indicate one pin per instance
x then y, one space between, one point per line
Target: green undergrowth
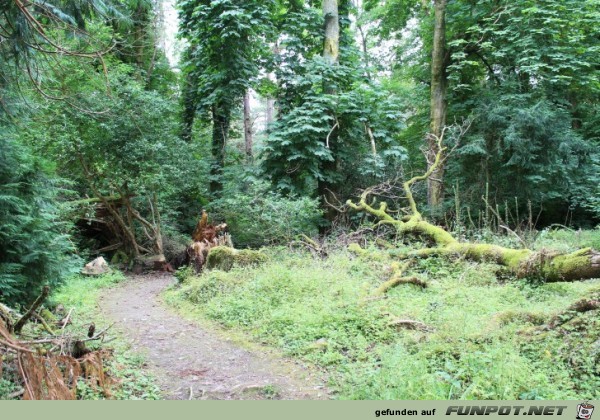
562 240
127 370
485 338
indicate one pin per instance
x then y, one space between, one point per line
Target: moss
248 257
119 257
373 255
510 258
356 249
438 235
524 263
582 264
47 315
225 258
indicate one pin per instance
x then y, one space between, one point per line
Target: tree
435 183
331 56
132 122
515 70
512 68
336 130
226 43
248 128
331 44
35 246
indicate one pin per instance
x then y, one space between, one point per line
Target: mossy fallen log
523 263
225 258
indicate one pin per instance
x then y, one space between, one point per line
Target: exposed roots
398 278
49 373
205 237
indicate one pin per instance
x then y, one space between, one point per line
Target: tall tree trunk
140 24
221 116
248 127
331 48
363 37
331 54
435 183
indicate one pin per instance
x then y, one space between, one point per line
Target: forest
299 199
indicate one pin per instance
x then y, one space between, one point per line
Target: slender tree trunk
161 25
221 116
248 127
435 183
363 37
141 22
365 51
331 54
331 48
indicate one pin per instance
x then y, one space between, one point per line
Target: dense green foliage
109 146
222 62
257 216
295 153
526 74
34 244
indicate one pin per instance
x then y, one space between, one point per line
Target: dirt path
184 355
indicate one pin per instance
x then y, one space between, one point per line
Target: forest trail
184 355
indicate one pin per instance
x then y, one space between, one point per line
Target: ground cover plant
467 335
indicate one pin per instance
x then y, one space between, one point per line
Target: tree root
396 281
42 321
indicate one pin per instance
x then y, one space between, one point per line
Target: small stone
96 267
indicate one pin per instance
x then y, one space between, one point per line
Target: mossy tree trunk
549 265
435 182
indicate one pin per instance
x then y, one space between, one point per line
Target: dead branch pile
49 367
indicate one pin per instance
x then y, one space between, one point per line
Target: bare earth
190 358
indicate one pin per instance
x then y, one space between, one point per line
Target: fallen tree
549 265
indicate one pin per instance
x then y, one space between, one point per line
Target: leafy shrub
257 216
34 243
